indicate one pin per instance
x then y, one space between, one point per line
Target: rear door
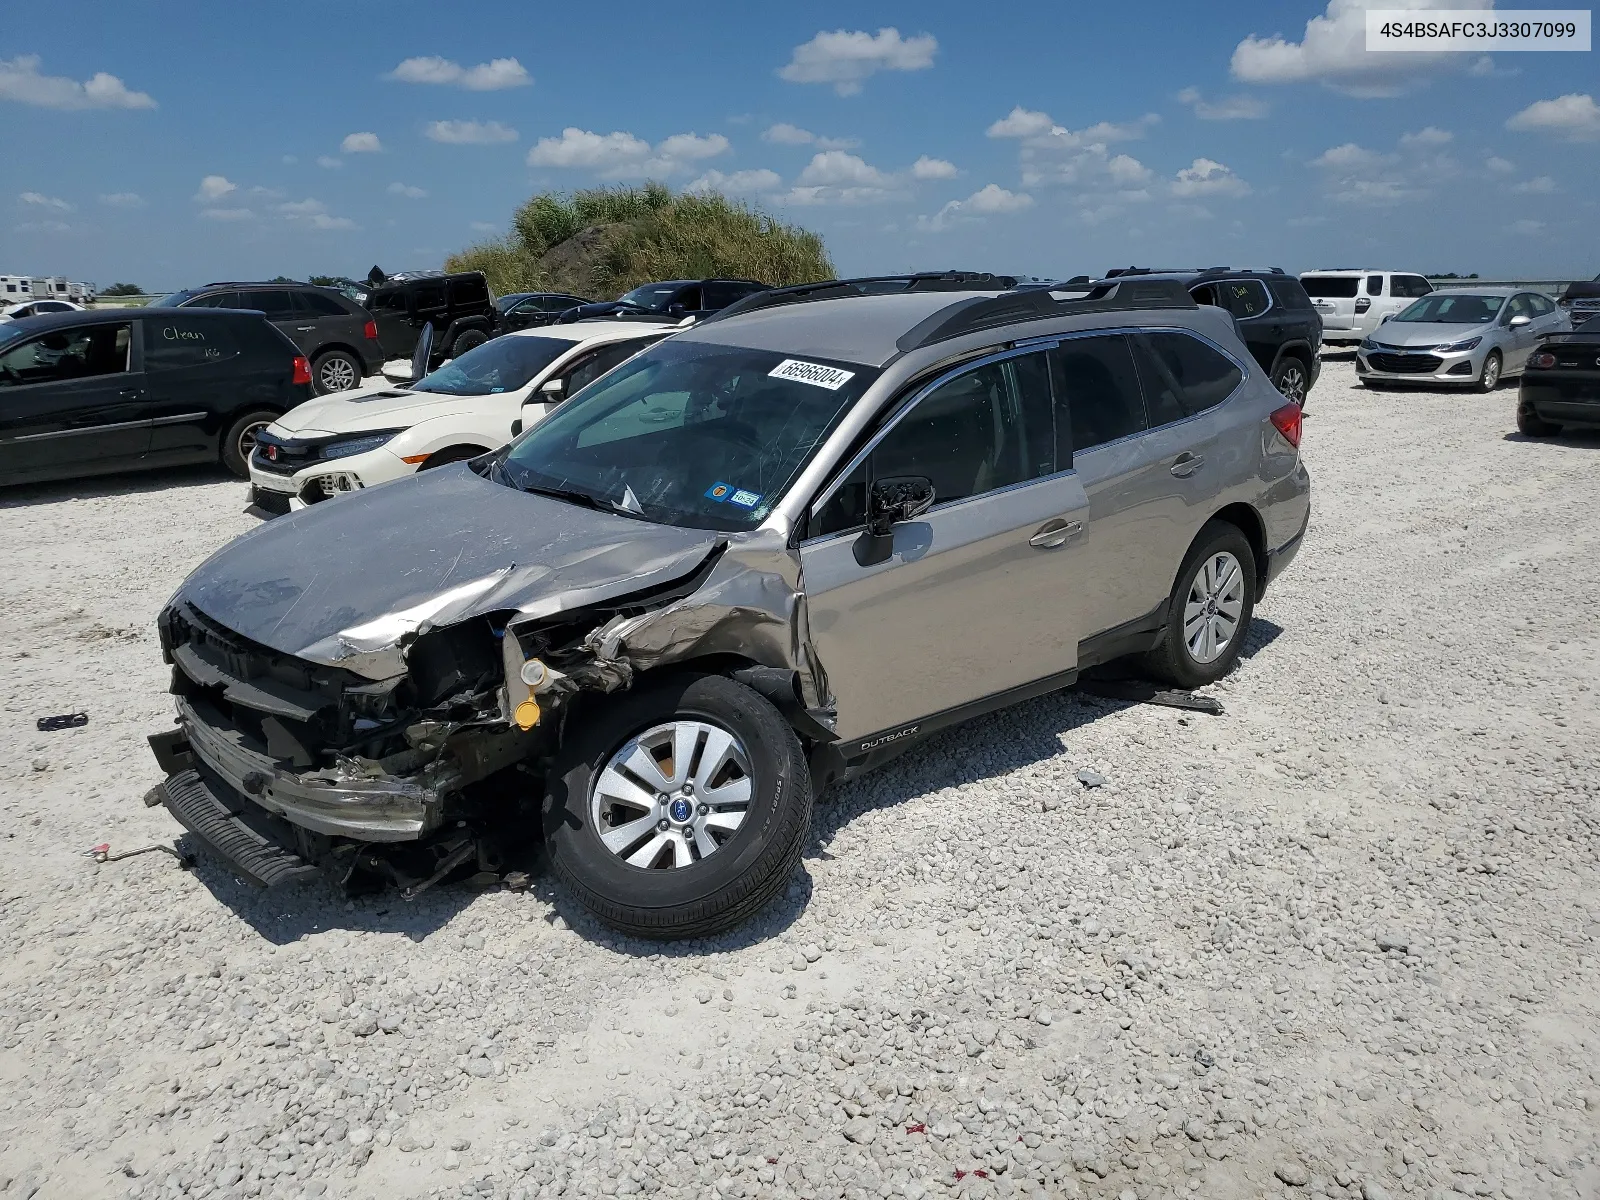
72 398
190 365
980 594
397 333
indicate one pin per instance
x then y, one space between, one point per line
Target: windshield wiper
574 496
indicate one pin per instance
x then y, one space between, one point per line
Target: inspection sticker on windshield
745 499
815 374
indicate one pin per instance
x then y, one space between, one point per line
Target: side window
721 293
171 342
689 298
556 304
988 428
1290 294
1202 377
387 302
597 364
1410 285
1518 307
1244 297
1374 285
275 302
430 297
1096 376
67 354
468 292
846 508
319 305
1542 305
216 300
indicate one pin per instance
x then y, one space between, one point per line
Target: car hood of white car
1421 334
387 407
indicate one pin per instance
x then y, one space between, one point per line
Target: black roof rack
869 285
1117 272
989 312
255 283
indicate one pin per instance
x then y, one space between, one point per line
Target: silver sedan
1473 338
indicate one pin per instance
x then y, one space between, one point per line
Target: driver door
976 600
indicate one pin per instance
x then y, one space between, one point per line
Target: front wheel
679 809
1210 609
1292 380
239 441
1489 379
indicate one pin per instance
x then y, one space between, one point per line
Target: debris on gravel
1318 946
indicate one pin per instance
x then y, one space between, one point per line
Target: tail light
302 369
1286 420
370 331
1544 360
1362 304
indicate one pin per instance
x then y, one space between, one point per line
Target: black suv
1276 319
85 393
671 299
337 335
459 306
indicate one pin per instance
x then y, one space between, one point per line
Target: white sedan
352 440
35 308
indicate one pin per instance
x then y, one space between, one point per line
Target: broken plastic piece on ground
919 1127
517 881
1142 692
63 721
102 853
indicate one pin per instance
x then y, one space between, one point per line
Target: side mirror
516 427
676 310
552 387
891 501
1518 322
1387 317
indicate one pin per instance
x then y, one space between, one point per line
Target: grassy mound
601 242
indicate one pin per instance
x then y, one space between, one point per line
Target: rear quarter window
1202 377
1290 294
1330 287
177 341
319 305
1244 297
469 291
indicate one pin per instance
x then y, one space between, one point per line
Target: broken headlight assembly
346 447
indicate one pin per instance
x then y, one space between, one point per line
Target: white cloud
1574 117
988 200
469 133
1350 157
846 58
1540 185
20 81
329 162
1037 130
1207 177
1499 166
835 168
1021 123
784 134
1229 108
302 208
485 77
1527 227
621 155
1333 51
215 187
227 214
739 182
324 221
1125 171
1426 138
313 214
122 199
43 201
361 143
407 190
42 227
933 168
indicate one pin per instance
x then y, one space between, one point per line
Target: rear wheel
467 339
335 371
1292 380
1529 423
239 441
680 809
1489 378
1210 609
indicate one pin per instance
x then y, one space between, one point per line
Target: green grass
632 235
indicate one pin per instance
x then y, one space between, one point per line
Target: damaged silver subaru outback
766 554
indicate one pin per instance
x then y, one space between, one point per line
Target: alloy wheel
1293 385
338 374
673 795
1216 602
1491 372
247 439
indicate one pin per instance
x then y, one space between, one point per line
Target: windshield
503 364
174 300
1330 287
653 296
1452 308
688 434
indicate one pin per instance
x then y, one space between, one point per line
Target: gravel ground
1342 941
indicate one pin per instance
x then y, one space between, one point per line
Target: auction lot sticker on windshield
815 374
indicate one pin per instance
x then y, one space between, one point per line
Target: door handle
130 393
304 328
1055 532
1186 464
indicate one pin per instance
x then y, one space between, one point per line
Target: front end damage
412 743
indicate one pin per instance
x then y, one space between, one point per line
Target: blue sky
172 144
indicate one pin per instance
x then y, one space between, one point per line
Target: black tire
239 439
335 371
1487 380
1529 423
467 339
719 891
1292 378
451 454
1172 660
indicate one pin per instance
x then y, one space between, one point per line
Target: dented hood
342 582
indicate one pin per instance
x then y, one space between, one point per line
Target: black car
1581 300
337 335
84 393
459 306
1275 317
671 300
1560 385
529 310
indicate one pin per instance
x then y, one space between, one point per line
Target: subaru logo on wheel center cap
681 809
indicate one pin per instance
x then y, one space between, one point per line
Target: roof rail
990 312
868 285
